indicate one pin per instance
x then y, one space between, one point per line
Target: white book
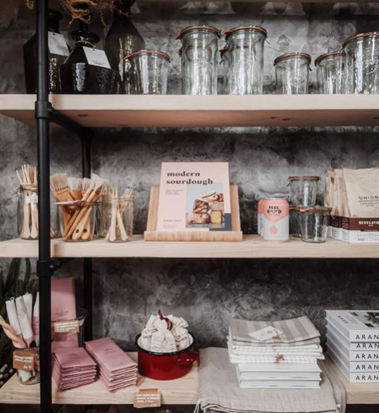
356 325
279 376
278 368
353 377
352 355
354 366
280 385
362 346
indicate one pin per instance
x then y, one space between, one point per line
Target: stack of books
353 344
117 370
280 354
73 367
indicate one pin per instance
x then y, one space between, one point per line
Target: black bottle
122 40
55 60
80 77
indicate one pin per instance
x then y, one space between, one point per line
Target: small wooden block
151 234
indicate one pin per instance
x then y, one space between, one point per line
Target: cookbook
194 196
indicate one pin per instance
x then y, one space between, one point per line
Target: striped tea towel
296 330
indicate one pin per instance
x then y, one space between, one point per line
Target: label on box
266 333
57 44
96 57
66 326
24 360
147 398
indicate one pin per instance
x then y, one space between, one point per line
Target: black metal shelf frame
44 114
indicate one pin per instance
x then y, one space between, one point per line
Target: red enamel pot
166 366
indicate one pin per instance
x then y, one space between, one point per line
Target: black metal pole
87 262
44 263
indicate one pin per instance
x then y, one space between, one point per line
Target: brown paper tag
66 326
147 398
24 360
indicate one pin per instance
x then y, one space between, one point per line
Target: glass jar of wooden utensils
80 220
27 214
118 218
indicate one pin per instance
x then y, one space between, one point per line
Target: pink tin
275 219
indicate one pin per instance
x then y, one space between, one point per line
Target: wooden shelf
182 391
252 246
122 111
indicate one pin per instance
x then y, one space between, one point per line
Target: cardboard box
360 230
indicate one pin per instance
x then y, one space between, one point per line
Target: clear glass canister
119 218
245 69
330 73
362 68
314 223
199 54
303 190
292 73
27 214
148 72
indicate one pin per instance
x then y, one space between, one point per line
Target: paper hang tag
96 57
147 398
266 333
66 326
24 360
32 199
57 44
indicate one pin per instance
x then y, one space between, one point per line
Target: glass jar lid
305 177
252 28
193 28
359 36
329 54
292 55
317 209
148 52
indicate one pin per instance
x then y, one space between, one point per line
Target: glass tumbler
314 223
245 70
119 218
199 55
148 72
303 190
362 69
292 73
27 214
331 73
80 221
222 86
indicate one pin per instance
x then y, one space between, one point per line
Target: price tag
24 360
147 398
32 199
266 333
57 44
66 326
96 57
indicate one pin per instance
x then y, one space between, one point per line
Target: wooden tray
151 234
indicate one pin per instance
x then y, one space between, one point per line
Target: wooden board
181 391
203 111
235 235
252 246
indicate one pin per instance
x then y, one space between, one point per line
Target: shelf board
121 111
182 391
252 246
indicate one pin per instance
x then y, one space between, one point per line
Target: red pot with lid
166 366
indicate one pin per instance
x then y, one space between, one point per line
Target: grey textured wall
208 292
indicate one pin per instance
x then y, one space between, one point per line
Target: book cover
194 196
357 326
352 346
